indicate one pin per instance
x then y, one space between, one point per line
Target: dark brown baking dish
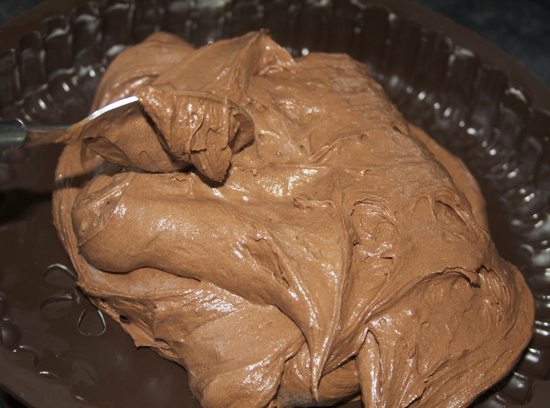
58 351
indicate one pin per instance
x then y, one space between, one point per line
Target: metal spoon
14 134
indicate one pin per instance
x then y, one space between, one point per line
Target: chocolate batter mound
319 249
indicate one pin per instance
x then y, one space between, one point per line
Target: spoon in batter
15 135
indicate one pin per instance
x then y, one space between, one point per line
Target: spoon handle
15 135
12 135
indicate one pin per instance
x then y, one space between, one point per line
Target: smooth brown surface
519 142
336 214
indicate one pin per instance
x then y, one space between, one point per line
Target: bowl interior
462 91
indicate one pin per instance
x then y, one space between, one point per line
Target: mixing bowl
57 350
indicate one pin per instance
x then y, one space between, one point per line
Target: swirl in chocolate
284 234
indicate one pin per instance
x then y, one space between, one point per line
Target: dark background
521 28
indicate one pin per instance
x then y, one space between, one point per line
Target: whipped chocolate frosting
284 234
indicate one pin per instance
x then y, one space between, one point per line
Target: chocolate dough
333 250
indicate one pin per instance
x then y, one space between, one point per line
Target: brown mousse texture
276 227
